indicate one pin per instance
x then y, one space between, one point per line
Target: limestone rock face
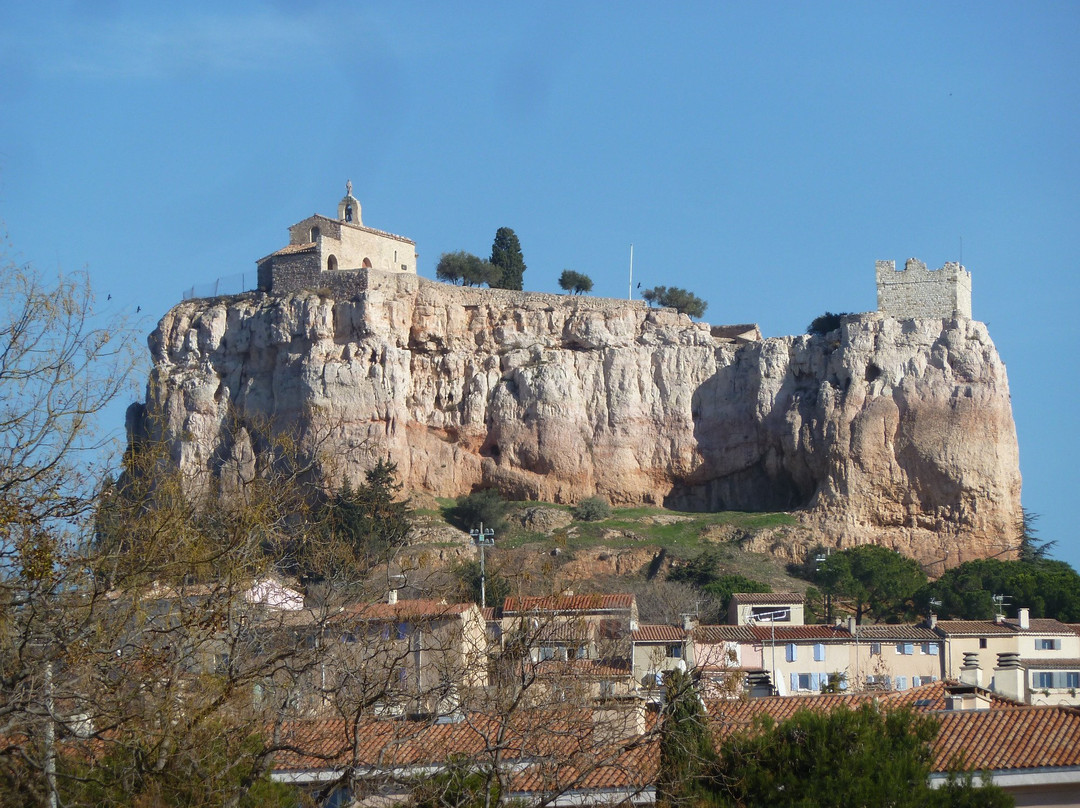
887 431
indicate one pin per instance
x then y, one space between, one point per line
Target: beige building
894 657
1031 660
569 626
658 649
326 253
408 656
784 608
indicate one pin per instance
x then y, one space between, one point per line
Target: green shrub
592 509
486 506
825 323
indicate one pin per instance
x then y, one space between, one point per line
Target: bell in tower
348 209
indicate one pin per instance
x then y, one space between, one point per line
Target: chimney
851 625
970 672
689 622
391 596
759 685
1024 617
965 697
619 719
933 621
1009 677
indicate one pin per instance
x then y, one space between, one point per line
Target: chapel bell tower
348 209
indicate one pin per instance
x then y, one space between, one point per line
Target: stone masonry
916 291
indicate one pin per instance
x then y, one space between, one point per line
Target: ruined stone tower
916 291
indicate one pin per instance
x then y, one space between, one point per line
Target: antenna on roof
1001 601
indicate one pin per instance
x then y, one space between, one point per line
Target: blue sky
761 155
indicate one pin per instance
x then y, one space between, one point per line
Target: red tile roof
406 610
1050 663
560 752
292 249
1008 739
903 631
767 599
658 633
568 603
800 633
581 667
714 635
1040 625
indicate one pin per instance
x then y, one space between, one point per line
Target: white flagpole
630 286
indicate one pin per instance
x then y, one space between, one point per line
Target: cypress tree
686 747
506 255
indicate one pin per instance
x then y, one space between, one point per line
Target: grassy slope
682 535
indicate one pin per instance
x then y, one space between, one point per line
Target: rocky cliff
897 432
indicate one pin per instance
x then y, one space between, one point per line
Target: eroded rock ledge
897 432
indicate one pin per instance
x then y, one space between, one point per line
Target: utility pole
483 538
630 286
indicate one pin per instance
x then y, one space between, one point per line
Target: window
366 263
930 648
906 648
1058 680
901 683
402 631
792 653
331 263
674 651
314 234
808 681
875 648
1047 645
348 213
819 652
982 642
771 613
607 689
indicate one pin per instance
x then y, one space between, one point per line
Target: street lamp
483 538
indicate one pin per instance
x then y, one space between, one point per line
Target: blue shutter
909 648
819 652
794 682
901 683
792 652
933 648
